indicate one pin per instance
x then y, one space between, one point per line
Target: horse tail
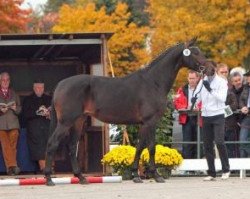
53 119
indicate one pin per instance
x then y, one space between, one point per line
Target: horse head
195 60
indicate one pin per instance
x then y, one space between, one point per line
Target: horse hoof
83 181
159 179
50 183
137 180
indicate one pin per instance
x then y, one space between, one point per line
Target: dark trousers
214 131
232 149
244 136
189 132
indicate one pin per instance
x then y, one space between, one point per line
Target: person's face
5 81
38 89
193 79
223 71
236 81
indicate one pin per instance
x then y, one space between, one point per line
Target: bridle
201 73
200 62
202 67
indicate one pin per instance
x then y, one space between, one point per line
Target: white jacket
213 103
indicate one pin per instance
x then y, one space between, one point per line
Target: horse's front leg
152 167
147 134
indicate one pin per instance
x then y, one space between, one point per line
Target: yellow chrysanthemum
164 156
122 157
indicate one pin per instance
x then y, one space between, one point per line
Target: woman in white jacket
213 94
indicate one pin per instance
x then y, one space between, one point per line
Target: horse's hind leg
53 142
72 146
139 148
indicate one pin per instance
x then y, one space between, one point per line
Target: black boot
16 170
10 171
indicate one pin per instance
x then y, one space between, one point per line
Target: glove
207 85
193 100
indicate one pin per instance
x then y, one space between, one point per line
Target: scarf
5 93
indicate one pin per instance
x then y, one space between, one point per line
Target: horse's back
71 86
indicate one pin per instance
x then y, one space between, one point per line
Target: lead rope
202 68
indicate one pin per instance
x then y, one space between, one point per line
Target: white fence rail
241 164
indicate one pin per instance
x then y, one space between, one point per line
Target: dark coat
243 101
37 126
244 96
237 94
231 121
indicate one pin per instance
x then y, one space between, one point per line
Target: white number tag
186 52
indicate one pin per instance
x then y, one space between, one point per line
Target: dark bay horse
139 98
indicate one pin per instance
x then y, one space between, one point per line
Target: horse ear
191 42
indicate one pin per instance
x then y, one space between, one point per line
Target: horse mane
163 54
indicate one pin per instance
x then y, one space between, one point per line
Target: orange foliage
222 27
12 18
127 45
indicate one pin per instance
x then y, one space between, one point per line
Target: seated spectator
36 114
9 124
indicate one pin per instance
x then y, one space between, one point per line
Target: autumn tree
13 19
135 7
54 5
221 26
44 18
127 45
42 23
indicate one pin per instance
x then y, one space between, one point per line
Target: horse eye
196 52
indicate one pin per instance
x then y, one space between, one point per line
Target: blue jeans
244 135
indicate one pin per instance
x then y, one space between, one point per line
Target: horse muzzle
208 68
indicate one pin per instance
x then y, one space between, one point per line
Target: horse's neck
165 71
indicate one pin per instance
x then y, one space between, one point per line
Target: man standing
232 122
36 115
9 124
245 124
213 97
188 122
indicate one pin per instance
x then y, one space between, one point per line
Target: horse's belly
118 117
